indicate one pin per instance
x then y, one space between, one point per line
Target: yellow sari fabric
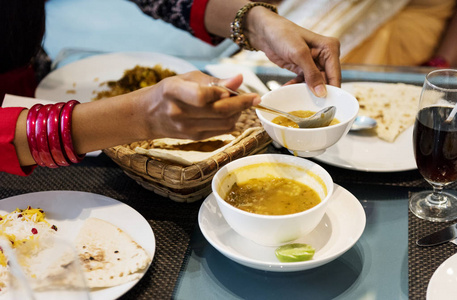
409 38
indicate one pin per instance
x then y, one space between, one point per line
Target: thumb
232 83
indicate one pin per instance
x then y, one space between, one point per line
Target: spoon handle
278 112
261 106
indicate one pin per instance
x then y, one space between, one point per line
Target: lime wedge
295 252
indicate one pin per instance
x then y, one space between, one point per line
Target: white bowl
308 142
272 230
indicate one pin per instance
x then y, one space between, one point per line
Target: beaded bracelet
65 132
53 130
236 27
41 137
31 138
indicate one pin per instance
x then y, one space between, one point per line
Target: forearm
95 125
105 123
220 13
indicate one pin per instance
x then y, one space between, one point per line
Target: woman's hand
187 106
313 57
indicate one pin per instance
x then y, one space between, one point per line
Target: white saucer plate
339 230
443 284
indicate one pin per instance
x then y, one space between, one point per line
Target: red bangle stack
49 134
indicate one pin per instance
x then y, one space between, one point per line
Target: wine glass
435 146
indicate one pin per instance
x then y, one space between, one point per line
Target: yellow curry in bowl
272 196
283 121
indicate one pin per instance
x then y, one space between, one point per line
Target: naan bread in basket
181 151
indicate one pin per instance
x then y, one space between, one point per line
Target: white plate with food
120 223
442 284
388 148
81 80
340 228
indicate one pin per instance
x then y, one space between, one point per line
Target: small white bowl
308 142
272 230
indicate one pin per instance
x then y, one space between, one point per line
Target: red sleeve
197 21
8 158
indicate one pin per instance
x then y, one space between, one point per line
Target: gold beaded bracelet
236 27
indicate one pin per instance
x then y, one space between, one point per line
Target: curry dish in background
283 121
134 79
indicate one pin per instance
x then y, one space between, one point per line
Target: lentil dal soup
273 188
272 196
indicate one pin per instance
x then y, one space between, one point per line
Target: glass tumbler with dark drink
435 146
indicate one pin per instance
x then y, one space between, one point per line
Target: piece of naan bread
108 255
393 105
206 145
166 148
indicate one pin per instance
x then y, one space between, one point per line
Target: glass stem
436 198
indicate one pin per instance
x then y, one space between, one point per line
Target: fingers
193 89
221 109
198 123
201 93
319 64
311 74
329 59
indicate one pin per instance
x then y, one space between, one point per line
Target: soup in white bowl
274 229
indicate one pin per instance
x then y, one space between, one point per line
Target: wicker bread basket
189 183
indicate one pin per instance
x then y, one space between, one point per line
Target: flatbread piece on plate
108 255
393 105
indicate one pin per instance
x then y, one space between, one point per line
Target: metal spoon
363 123
319 119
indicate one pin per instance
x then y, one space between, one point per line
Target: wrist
247 25
253 27
50 136
138 105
